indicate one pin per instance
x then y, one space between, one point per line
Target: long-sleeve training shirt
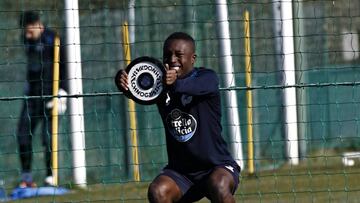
40 65
191 114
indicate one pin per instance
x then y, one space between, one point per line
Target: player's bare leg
164 190
220 186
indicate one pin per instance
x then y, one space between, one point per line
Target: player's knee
221 193
158 192
220 187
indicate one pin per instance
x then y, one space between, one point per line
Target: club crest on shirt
182 125
186 99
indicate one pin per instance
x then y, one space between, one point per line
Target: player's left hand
61 102
171 74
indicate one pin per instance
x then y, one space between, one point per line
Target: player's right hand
171 74
121 80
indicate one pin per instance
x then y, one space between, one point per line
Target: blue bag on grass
20 193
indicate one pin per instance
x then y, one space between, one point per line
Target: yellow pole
248 94
131 105
54 125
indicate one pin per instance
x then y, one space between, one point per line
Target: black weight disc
145 79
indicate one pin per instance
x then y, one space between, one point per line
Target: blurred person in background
39 48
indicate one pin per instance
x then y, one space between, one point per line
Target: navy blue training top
191 114
40 64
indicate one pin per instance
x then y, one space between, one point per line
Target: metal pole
291 124
54 112
132 109
226 64
75 88
301 43
251 167
132 21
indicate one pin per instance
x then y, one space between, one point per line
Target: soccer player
39 48
199 163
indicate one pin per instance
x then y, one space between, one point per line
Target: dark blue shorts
193 185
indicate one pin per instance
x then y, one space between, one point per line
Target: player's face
33 31
180 53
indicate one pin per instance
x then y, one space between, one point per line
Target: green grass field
316 179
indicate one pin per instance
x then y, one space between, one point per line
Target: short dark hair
28 17
179 35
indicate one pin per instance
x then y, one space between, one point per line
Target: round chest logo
145 79
182 125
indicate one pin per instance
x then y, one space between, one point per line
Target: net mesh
326 38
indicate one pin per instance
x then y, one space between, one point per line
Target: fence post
75 88
288 51
226 64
